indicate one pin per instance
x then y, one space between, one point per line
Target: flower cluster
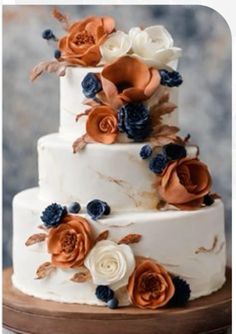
95 41
153 45
109 265
119 98
135 66
183 181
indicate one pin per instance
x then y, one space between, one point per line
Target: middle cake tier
113 173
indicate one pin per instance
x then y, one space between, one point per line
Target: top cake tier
72 102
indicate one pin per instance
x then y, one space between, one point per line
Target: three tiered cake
124 212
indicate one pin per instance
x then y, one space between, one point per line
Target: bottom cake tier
189 244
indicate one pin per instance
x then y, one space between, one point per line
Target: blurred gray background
32 110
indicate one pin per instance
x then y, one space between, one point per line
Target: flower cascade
131 70
107 264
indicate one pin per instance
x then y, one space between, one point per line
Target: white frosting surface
173 238
72 97
113 173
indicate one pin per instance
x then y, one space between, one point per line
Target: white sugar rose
110 264
118 44
154 45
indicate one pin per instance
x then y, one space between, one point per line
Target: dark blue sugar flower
182 292
53 214
97 208
104 293
134 120
91 85
174 151
208 200
145 152
48 34
158 163
170 79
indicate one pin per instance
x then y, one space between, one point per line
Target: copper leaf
44 270
102 236
52 66
35 238
81 277
63 19
130 239
80 143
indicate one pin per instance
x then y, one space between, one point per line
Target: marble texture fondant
113 173
190 244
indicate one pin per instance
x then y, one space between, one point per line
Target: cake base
26 314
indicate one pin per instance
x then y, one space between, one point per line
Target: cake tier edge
189 244
113 173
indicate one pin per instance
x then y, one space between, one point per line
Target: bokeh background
32 110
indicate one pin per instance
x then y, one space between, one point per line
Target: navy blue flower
170 79
48 34
74 207
96 208
182 292
104 293
53 214
174 151
91 85
158 163
145 152
134 120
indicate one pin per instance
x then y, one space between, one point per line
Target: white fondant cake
174 238
158 228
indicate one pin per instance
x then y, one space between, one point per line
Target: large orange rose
127 80
184 183
70 242
101 124
81 45
150 286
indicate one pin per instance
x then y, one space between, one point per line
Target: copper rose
128 79
101 124
70 242
184 183
81 45
150 286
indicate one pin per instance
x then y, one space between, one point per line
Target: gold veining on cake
208 250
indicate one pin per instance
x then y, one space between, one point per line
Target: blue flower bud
113 303
145 152
57 54
74 207
48 34
158 163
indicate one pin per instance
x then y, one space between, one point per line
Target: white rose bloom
154 45
110 264
118 44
